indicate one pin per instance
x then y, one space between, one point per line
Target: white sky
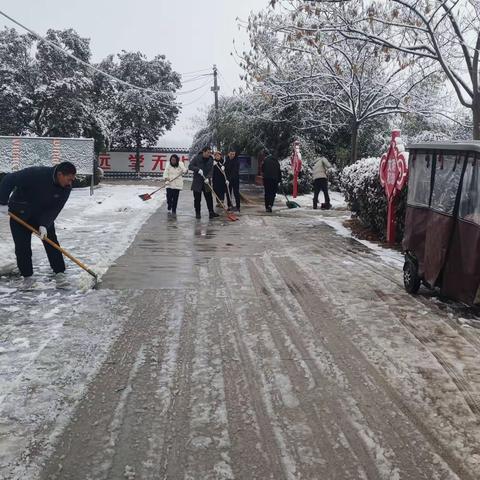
193 34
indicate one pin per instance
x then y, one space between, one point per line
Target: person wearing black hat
232 171
39 195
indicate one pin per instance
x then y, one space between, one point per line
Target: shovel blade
145 196
232 217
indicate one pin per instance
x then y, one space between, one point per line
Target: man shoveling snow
39 195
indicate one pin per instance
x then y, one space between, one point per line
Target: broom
230 215
290 203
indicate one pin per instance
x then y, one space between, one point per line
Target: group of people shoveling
34 197
219 177
215 177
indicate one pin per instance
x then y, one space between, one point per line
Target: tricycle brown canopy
442 223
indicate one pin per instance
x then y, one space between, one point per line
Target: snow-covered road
51 341
287 350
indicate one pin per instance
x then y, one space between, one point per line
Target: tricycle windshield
420 174
448 171
470 199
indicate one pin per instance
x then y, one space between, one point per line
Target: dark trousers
172 199
234 189
197 197
220 188
22 238
320 184
271 187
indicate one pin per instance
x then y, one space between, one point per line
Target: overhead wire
93 67
197 99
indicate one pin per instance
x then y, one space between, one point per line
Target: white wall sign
150 162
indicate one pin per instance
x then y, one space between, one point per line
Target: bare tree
443 31
333 79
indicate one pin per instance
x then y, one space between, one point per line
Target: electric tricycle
442 223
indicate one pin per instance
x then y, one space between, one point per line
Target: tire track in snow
100 417
307 436
359 367
250 421
348 418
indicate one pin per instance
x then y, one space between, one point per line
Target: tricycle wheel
411 280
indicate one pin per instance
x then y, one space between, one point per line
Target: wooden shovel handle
53 244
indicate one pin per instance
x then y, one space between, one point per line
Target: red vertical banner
16 154
56 154
296 166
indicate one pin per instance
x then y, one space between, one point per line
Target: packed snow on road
51 340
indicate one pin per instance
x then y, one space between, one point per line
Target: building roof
153 149
472 146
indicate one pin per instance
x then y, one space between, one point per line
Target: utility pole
215 87
215 90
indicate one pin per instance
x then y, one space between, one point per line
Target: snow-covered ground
51 341
96 229
336 221
336 199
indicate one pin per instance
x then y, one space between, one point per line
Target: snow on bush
305 178
360 183
334 179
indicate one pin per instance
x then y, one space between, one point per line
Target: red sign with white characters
393 177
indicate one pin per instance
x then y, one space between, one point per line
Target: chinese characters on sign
149 162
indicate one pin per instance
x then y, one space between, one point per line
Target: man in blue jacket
39 194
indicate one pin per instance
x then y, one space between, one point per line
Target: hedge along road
272 348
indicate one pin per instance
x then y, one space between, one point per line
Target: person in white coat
320 182
173 176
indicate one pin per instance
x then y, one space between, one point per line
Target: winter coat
200 163
232 168
320 168
271 169
218 176
37 197
176 173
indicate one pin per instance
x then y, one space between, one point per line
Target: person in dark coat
39 195
218 176
202 168
272 175
232 170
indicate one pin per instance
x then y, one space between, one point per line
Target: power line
197 99
88 65
195 71
196 79
196 89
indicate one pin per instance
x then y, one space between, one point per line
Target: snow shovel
290 203
148 196
55 245
230 215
